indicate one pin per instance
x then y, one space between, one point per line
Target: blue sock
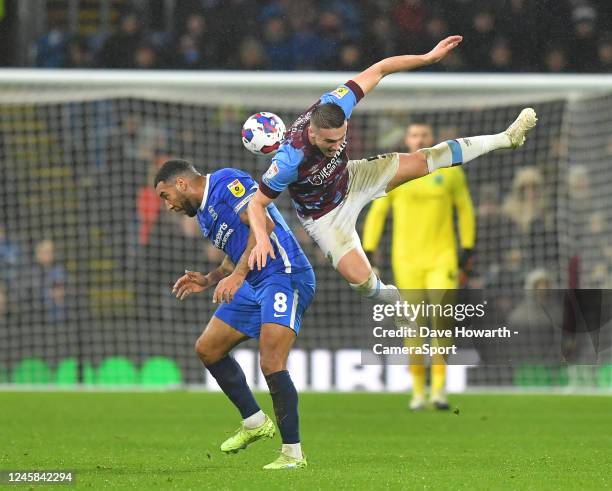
285 402
232 381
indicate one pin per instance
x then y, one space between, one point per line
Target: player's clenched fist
259 254
190 282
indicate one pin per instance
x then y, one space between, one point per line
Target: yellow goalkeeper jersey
423 225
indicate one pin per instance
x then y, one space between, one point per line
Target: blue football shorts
281 298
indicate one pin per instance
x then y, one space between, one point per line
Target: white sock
462 150
293 450
375 289
254 420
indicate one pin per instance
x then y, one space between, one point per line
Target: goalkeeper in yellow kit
424 248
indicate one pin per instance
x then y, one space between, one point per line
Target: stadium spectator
538 319
491 226
51 47
584 45
520 27
44 286
555 61
500 57
119 49
331 36
145 57
9 257
479 39
197 46
252 55
436 28
78 54
307 45
543 35
525 205
351 58
410 16
604 54
234 20
276 44
530 227
188 53
5 306
380 39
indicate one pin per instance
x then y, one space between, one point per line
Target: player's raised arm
227 287
369 78
281 173
257 221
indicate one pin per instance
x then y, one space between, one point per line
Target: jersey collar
205 196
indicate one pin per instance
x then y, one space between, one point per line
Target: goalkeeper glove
466 263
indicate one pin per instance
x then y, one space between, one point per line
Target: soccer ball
262 133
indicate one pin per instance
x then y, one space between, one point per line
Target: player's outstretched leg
460 151
463 150
274 345
213 347
356 269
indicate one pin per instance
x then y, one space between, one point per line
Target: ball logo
236 188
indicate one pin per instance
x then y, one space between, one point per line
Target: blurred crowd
36 280
499 36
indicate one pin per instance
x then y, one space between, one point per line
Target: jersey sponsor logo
236 188
340 92
318 178
213 213
239 206
271 172
223 235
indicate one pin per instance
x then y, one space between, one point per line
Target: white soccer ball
262 133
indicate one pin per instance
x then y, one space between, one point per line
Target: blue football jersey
227 194
317 183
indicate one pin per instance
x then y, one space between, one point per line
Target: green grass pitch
353 441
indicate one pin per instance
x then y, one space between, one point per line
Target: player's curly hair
328 115
174 168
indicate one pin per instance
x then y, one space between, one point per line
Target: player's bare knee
207 353
271 362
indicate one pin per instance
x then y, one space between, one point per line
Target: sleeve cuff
267 190
355 89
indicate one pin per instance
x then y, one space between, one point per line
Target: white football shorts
335 232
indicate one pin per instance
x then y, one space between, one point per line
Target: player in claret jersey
329 191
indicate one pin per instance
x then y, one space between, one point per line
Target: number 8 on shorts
280 302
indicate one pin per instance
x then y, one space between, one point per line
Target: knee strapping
445 154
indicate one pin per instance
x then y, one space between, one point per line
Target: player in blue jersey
267 304
329 191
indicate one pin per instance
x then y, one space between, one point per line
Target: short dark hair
420 122
328 115
174 168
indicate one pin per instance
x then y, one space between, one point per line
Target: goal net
88 253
